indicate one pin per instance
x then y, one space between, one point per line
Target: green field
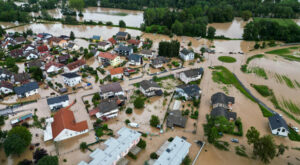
285 53
227 59
294 108
260 72
263 90
254 57
280 21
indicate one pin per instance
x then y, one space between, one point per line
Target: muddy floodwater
232 29
132 18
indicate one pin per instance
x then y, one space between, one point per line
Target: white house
147 53
278 125
186 55
135 59
6 87
31 56
150 88
72 46
26 90
56 103
71 79
111 90
53 67
104 45
191 75
116 72
106 109
63 126
176 151
115 149
188 91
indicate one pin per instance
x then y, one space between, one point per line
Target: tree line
169 49
258 8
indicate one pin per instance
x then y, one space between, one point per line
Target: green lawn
280 52
227 59
263 90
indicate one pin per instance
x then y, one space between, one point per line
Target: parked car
234 140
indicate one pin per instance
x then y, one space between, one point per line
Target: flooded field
232 29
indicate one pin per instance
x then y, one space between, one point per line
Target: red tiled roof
42 48
93 112
48 65
112 41
134 42
107 55
64 119
6 85
76 64
115 71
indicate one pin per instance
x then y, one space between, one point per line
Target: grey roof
276 121
159 60
146 84
175 118
191 90
185 51
57 99
221 98
123 34
146 51
112 87
193 72
70 45
107 105
5 71
103 43
124 48
135 57
35 63
26 88
70 75
21 77
221 111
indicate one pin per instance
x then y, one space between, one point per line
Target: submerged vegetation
260 72
283 79
227 59
286 53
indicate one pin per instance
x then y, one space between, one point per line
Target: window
283 130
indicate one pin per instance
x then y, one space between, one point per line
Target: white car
296 129
134 125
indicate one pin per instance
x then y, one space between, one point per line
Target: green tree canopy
122 24
139 102
211 32
77 4
18 139
154 121
48 160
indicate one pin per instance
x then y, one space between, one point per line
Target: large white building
176 151
71 79
186 55
191 75
115 148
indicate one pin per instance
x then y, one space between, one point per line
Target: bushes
153 155
142 144
227 59
154 121
222 145
263 90
238 123
139 102
241 151
293 135
127 121
194 114
170 139
128 111
132 156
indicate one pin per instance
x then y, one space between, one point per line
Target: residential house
71 79
96 38
150 88
116 73
175 118
112 41
43 50
26 90
53 67
137 43
64 126
6 87
104 45
222 106
188 91
35 63
191 75
135 59
31 55
30 48
20 78
5 74
278 125
63 59
106 109
124 50
114 148
56 103
72 46
147 53
109 59
74 66
56 41
20 40
186 54
159 61
122 36
17 53
111 90
174 153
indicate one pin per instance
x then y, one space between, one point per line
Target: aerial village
119 102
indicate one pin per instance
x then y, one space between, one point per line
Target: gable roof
6 85
124 48
221 111
134 42
276 121
175 118
57 99
159 60
26 88
63 58
146 51
21 77
135 57
112 41
64 119
42 48
35 63
107 55
48 65
102 43
107 106
70 75
122 34
75 64
193 72
191 90
185 51
146 84
114 71
220 97
112 87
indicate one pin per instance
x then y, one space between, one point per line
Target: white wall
66 134
63 104
72 81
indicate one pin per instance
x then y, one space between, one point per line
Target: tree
122 24
246 15
202 50
256 46
128 110
83 146
211 32
77 4
36 73
2 120
17 141
139 103
2 31
186 161
252 135
154 121
25 162
48 160
169 49
177 28
153 155
142 144
39 154
72 36
281 149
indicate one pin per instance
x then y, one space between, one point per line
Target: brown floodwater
232 29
